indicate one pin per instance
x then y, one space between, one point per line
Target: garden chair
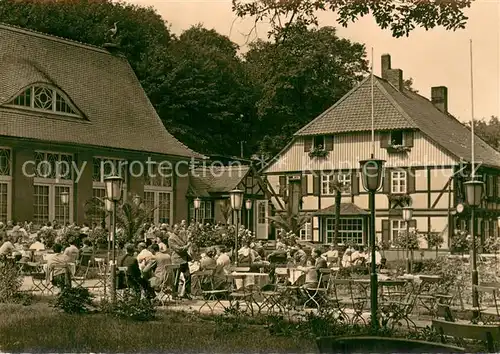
242 294
488 303
381 345
396 309
350 295
167 290
103 273
39 279
82 270
212 297
489 334
317 294
427 293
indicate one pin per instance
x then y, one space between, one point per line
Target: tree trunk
338 200
437 250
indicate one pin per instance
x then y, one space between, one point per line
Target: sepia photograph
249 176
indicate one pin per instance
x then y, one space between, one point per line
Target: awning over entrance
346 209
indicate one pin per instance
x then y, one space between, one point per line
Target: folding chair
427 293
317 294
210 293
82 270
354 297
242 294
488 304
167 290
39 279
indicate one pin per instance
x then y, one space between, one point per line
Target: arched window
44 98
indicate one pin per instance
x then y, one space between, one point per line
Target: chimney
393 76
439 97
386 65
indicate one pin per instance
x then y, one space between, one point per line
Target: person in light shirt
144 255
346 258
7 247
37 245
72 252
332 255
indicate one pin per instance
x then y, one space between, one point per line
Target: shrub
10 280
131 307
74 300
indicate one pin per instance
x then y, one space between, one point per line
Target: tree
400 16
299 79
489 131
434 240
204 96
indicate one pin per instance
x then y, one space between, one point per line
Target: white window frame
345 178
398 182
305 233
326 182
52 197
157 191
7 179
55 92
397 226
53 180
330 231
202 211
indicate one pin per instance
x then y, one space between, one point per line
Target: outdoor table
294 274
72 268
248 279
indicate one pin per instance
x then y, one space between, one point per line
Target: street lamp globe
236 196
248 204
474 192
407 213
371 174
113 185
197 203
64 198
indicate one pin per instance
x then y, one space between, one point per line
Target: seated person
58 267
72 251
157 266
133 277
346 258
7 247
208 261
300 256
144 255
246 255
87 248
332 255
223 260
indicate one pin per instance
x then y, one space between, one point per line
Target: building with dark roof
70 115
427 153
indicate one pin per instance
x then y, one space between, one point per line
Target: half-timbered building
427 153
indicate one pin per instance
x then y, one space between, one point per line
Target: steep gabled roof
394 109
346 209
216 179
101 85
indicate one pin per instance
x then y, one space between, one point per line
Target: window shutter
386 231
384 140
490 186
355 182
309 232
282 191
304 185
308 141
410 180
413 224
316 186
495 186
387 181
329 142
409 139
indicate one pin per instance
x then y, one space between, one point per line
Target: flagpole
473 174
372 109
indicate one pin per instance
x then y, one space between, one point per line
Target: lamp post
197 204
113 186
407 216
236 196
372 172
109 208
64 201
248 206
474 193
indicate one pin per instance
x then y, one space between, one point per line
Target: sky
432 58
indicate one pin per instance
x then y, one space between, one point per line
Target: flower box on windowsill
398 148
318 153
401 200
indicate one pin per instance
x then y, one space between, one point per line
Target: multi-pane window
97 214
397 138
5 183
60 210
261 213
398 182
41 205
205 212
159 205
345 182
149 204
4 202
5 162
164 207
319 142
350 230
105 167
397 227
44 98
53 165
328 184
158 176
305 233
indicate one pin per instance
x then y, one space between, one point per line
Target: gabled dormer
41 97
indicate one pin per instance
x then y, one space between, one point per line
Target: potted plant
434 240
395 148
318 151
401 200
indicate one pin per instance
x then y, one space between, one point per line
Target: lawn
39 328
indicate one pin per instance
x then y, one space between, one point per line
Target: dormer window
319 142
44 98
397 138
